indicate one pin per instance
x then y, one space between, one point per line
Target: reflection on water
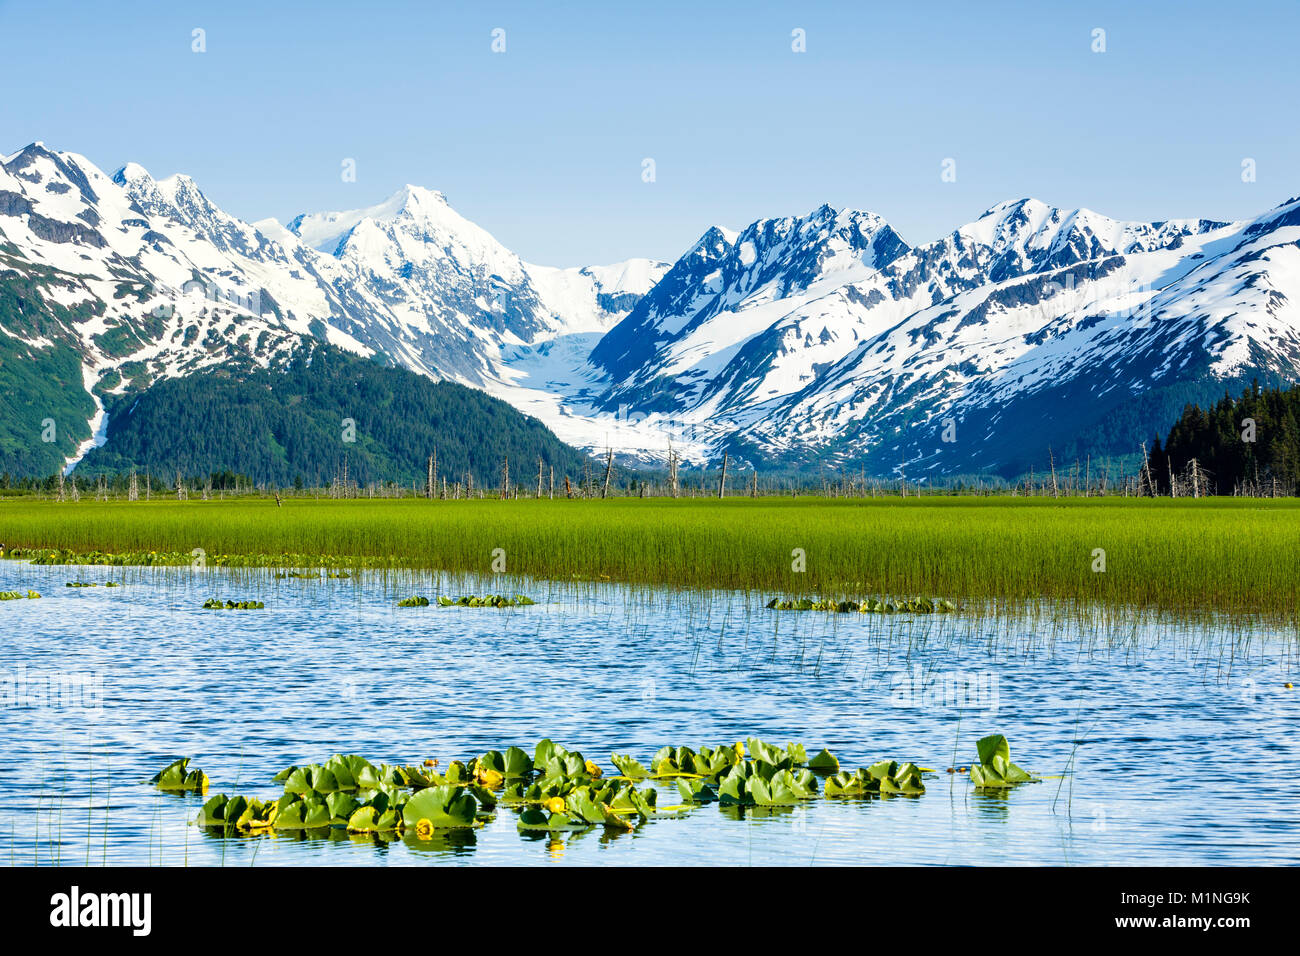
1166 743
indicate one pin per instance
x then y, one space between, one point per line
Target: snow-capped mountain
818 339
828 339
157 281
711 335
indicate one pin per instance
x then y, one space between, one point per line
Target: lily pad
995 771
176 778
444 807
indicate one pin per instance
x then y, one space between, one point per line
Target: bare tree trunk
609 468
722 482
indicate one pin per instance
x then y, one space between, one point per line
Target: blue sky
543 144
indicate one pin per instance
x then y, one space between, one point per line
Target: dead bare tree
672 470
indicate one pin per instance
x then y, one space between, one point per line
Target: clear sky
543 144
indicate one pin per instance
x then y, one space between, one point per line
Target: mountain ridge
796 341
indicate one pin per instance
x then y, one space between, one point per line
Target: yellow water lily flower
424 828
555 804
430 762
740 750
593 769
489 777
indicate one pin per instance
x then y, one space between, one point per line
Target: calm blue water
1177 744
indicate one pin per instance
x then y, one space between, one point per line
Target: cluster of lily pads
351 793
216 604
869 606
18 595
490 600
554 789
882 777
91 584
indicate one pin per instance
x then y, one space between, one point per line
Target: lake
1164 742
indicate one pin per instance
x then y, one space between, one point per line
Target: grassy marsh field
1212 554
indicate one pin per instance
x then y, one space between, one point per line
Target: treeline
1245 446
120 484
328 417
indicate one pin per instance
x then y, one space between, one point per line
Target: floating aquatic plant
214 604
339 773
177 778
495 767
554 789
824 762
995 771
707 762
18 595
585 806
759 783
238 813
881 778
491 600
415 601
440 808
869 606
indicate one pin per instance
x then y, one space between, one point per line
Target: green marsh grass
1213 554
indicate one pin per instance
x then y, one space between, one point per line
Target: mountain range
813 341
